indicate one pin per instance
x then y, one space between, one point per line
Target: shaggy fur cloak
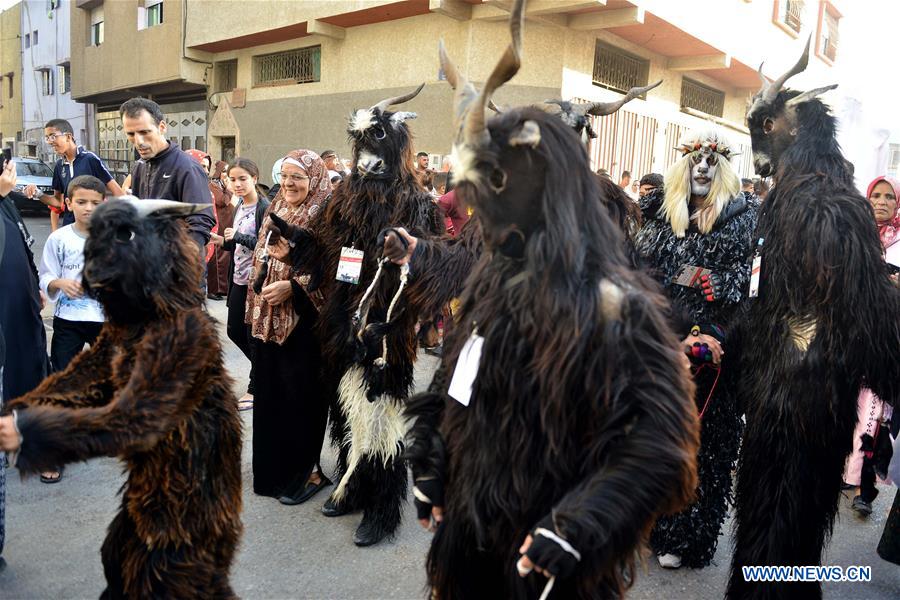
153 391
580 412
726 250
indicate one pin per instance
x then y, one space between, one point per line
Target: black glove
711 287
550 551
427 493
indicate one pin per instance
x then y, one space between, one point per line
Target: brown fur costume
153 391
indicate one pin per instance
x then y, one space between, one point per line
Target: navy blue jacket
173 175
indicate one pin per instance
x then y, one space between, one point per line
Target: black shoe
369 533
215 296
332 508
862 508
305 493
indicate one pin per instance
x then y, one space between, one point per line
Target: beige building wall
130 57
10 62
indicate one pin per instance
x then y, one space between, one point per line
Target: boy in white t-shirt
77 319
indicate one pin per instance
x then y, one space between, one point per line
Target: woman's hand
281 250
714 346
216 239
277 293
229 234
8 178
9 437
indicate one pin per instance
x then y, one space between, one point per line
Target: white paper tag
754 276
466 370
350 265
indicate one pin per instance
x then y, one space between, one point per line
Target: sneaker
862 508
669 561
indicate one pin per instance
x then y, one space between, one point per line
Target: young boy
73 161
77 319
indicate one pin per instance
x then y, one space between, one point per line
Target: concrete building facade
11 130
47 75
281 74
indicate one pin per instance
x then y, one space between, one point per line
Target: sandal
245 402
309 490
51 478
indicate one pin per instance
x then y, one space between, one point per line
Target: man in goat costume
826 322
560 421
368 365
698 245
153 391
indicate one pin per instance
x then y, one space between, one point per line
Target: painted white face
703 170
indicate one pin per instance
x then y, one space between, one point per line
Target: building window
285 68
789 15
46 82
702 97
52 4
64 77
226 75
615 69
28 40
96 26
10 76
894 160
34 37
827 38
150 13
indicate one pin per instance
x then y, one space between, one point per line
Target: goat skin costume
826 323
579 426
726 251
153 391
366 402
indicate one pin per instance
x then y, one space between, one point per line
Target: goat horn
771 91
601 109
384 104
764 83
159 208
809 95
465 92
475 133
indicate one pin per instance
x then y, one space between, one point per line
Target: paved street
54 533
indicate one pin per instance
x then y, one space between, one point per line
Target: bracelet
695 331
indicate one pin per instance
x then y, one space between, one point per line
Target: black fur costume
154 392
827 321
366 423
693 534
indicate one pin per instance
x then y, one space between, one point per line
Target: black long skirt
289 410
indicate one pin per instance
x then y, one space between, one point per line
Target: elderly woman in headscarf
290 409
883 193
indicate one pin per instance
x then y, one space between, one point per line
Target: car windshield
32 169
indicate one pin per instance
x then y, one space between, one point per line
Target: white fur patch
464 162
362 119
400 117
611 297
375 428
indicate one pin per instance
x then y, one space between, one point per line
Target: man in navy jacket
164 171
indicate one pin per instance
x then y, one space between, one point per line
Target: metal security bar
793 12
284 68
701 97
830 41
615 69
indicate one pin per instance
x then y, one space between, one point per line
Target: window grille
64 76
46 82
284 68
226 75
702 97
793 14
615 69
830 36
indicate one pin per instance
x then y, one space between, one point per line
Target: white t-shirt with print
64 259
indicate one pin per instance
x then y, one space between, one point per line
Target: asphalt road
54 533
